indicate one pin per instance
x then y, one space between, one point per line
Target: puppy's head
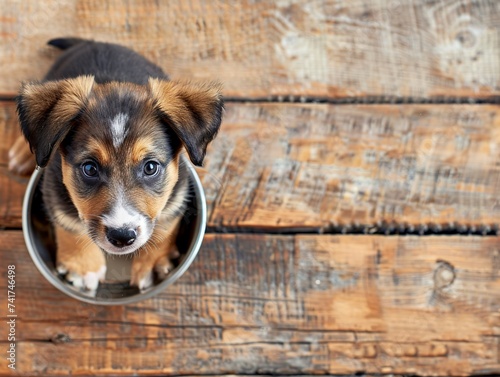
119 146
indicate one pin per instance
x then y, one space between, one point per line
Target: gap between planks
365 100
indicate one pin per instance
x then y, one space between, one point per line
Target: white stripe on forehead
118 129
122 214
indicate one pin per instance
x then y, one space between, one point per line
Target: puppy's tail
65 43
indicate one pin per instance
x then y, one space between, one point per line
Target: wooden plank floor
320 48
352 192
319 167
256 304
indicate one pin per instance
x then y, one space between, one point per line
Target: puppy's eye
90 170
151 168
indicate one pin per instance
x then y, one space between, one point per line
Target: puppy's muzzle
121 237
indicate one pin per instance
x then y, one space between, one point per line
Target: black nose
121 237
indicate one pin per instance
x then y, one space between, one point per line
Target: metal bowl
39 238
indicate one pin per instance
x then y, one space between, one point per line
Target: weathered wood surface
12 187
410 48
311 167
278 304
296 304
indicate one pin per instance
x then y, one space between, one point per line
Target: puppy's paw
142 273
80 261
21 160
163 266
84 281
145 264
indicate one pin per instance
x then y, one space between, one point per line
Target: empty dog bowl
115 290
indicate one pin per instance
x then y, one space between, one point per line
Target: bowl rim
195 245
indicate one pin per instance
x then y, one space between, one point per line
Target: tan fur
21 160
69 96
40 97
77 252
102 90
46 111
74 96
192 111
99 152
172 98
154 206
141 149
87 209
67 222
156 254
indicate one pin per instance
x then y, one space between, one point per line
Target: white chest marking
118 129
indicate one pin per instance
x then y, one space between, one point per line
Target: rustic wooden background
352 191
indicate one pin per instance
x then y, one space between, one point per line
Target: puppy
109 127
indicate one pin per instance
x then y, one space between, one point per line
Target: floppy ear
46 110
194 112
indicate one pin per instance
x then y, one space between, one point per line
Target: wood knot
444 275
60 338
466 38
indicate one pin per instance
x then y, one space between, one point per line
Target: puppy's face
120 165
119 146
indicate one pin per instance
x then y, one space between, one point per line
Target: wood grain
321 166
12 186
257 304
314 166
281 167
322 48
